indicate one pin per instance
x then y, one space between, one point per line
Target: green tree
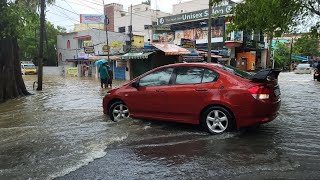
272 17
17 18
311 6
281 55
307 45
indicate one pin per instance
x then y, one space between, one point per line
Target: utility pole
209 31
290 54
106 26
40 58
130 27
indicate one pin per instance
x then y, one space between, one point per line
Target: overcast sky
66 12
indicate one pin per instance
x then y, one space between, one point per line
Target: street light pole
40 58
209 31
106 26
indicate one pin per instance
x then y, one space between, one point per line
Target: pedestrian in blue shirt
104 75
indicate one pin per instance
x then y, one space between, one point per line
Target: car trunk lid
266 85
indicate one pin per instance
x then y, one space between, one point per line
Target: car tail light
307 68
316 72
260 92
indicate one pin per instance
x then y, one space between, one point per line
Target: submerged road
62 133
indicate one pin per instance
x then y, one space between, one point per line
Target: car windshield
29 66
237 71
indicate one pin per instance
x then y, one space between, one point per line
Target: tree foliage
21 21
307 45
265 15
310 6
272 17
281 55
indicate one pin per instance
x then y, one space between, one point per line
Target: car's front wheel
118 110
217 120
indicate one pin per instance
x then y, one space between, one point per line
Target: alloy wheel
120 111
217 121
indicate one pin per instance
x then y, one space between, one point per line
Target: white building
142 14
71 53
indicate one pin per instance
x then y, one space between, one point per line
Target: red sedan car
218 97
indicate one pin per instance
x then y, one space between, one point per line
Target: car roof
203 64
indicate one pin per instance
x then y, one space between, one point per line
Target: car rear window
236 71
303 65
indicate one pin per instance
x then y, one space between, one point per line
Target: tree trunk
11 82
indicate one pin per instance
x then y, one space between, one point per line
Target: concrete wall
51 71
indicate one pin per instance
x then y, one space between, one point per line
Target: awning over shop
78 60
83 37
171 49
111 57
214 56
139 55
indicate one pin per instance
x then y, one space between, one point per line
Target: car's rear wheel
118 111
217 120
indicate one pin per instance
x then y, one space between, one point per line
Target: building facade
79 50
141 15
245 50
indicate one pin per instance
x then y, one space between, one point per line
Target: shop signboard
88 47
187 43
193 58
163 36
92 19
121 63
195 15
158 27
82 55
105 48
200 35
255 45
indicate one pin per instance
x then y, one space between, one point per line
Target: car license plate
277 92
316 74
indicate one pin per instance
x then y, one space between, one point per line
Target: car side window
157 78
209 76
189 75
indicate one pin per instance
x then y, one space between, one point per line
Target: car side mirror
135 84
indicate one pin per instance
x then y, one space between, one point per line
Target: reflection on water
54 131
62 128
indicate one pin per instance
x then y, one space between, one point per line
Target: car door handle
159 90
200 89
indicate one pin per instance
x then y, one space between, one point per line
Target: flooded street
62 133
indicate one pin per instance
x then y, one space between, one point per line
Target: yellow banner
72 71
87 43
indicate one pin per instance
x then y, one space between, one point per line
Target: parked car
28 68
303 69
218 97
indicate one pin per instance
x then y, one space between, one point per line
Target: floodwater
62 133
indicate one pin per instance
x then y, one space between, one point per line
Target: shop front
251 56
193 26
